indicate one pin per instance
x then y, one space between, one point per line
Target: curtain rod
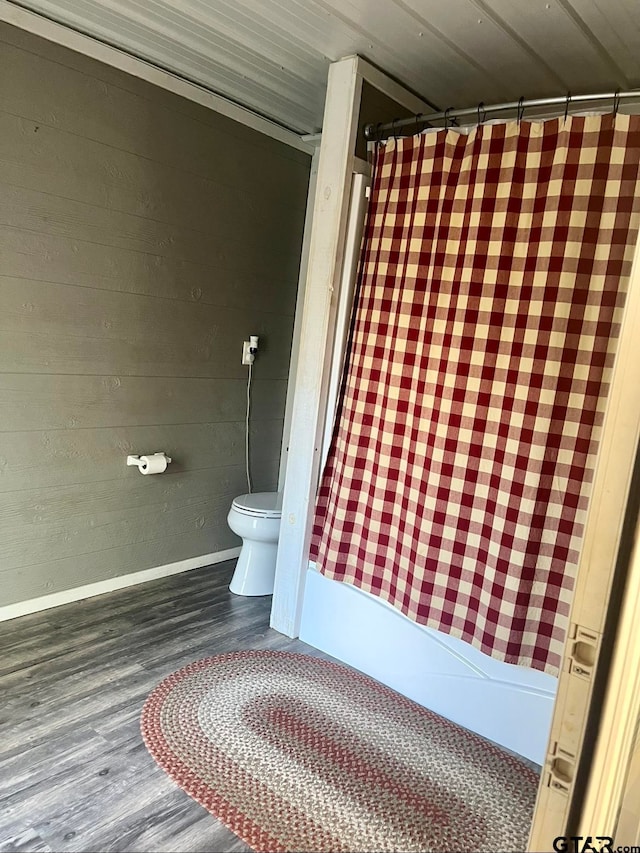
383 131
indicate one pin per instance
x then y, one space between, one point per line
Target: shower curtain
489 299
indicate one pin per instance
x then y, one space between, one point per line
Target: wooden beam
379 80
340 127
335 169
297 326
355 226
621 712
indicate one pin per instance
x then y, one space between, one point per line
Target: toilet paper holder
153 463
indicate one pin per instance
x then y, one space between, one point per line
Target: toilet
256 519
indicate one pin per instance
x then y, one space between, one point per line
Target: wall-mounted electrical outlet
247 356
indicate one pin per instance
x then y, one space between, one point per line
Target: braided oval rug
293 753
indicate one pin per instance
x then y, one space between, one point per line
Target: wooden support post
325 262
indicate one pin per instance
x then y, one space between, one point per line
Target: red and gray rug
293 753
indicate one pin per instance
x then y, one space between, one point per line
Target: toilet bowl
256 519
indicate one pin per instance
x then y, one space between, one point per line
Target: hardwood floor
75 774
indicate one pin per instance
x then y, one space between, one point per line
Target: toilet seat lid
262 504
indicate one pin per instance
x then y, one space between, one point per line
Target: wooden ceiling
273 55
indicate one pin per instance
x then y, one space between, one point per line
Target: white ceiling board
203 57
273 55
570 48
492 45
382 25
618 26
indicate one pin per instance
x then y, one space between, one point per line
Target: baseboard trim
77 593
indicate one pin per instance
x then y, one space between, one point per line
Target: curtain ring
393 127
446 117
418 117
566 106
378 133
520 108
482 110
616 102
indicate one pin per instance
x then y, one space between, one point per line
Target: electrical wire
246 443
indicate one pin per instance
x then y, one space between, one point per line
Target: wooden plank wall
142 239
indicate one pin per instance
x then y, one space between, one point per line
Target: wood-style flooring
74 772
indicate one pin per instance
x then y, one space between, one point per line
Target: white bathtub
511 705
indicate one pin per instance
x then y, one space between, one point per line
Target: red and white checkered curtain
490 296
